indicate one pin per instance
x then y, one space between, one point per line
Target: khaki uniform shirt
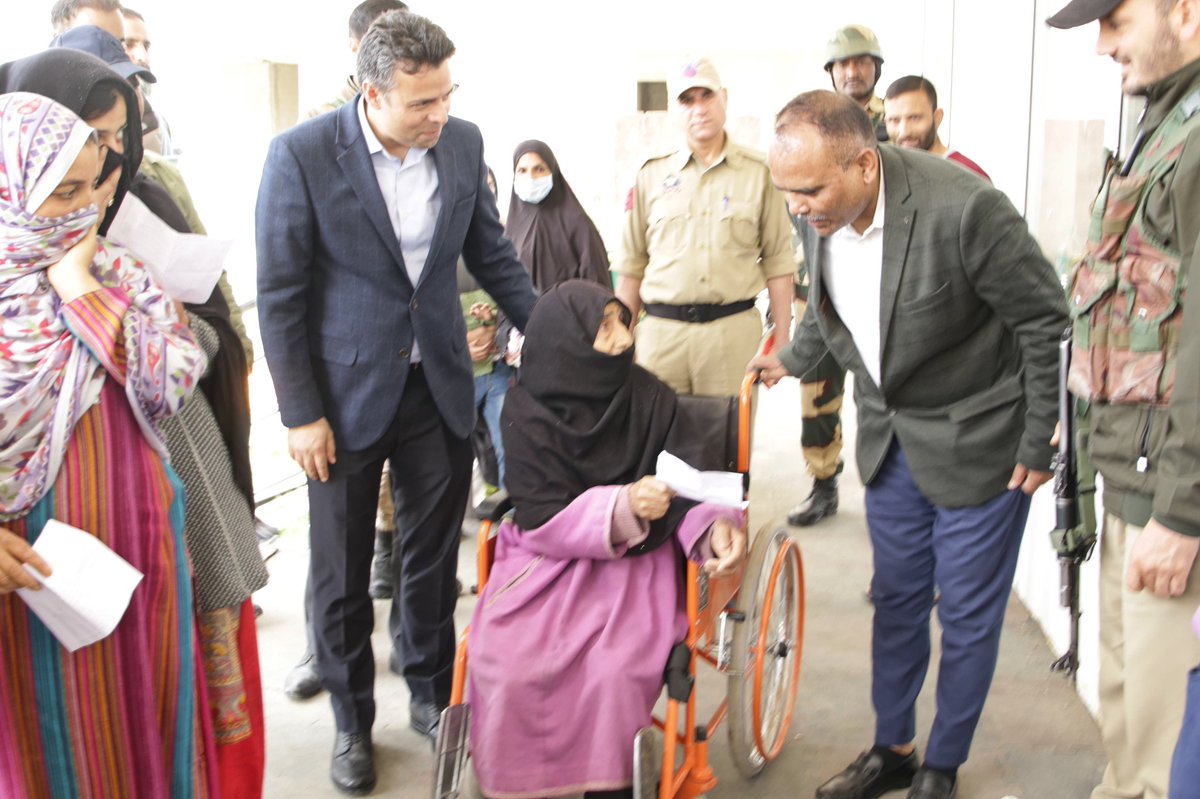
696 235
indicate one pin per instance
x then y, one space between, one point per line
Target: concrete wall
1031 105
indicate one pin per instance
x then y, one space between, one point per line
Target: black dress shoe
381 567
930 784
870 775
822 502
425 717
303 681
394 664
353 767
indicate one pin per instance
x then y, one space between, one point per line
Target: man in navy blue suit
362 214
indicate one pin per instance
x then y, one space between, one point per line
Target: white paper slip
185 265
719 488
89 590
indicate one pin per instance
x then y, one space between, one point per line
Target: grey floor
1036 740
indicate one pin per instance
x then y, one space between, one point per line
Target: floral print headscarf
48 377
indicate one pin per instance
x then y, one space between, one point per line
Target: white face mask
532 190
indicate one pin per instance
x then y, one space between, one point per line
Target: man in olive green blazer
927 285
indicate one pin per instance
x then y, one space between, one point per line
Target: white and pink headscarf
48 377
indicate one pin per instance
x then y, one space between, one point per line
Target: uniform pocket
1090 303
739 227
667 225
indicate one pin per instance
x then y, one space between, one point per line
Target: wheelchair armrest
493 508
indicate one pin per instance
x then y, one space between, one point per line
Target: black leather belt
697 313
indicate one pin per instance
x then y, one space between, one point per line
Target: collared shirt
410 192
696 234
853 278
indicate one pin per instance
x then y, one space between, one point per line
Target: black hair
840 120
367 12
912 83
100 100
400 39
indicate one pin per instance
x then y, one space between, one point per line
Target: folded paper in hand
85 597
719 488
186 266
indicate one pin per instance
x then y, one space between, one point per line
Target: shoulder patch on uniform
657 157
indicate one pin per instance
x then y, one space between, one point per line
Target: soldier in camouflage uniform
854 62
1136 366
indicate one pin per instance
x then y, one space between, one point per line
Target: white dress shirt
410 192
853 278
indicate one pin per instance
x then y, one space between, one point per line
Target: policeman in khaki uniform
705 230
1136 362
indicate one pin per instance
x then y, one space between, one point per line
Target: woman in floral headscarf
93 354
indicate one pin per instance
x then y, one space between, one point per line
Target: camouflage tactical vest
1126 295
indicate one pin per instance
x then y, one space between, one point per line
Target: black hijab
578 418
69 77
555 238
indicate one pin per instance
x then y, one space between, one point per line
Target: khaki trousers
1146 650
707 358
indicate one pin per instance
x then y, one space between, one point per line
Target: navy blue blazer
337 311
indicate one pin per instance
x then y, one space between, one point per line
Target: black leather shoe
381 567
425 717
303 681
394 665
930 784
868 776
822 502
353 766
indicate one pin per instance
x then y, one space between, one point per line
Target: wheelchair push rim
767 650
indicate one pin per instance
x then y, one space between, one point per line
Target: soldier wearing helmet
854 63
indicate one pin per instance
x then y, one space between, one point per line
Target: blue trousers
969 555
489 401
1185 768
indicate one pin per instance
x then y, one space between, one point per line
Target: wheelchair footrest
647 763
451 752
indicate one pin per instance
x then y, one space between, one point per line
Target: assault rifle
1074 533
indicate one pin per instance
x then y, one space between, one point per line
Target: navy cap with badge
104 46
1081 12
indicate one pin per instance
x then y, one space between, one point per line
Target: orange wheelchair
749 626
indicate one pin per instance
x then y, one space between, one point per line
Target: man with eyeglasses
362 215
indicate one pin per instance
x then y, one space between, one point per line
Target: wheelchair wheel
767 646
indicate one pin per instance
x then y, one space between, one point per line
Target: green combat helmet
851 41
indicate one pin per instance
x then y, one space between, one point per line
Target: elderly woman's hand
15 551
728 542
650 498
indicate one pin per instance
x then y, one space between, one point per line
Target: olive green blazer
970 318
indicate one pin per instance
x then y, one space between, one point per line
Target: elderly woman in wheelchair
584 602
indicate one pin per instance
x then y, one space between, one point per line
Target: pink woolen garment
568 646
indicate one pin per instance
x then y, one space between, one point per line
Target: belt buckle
692 313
